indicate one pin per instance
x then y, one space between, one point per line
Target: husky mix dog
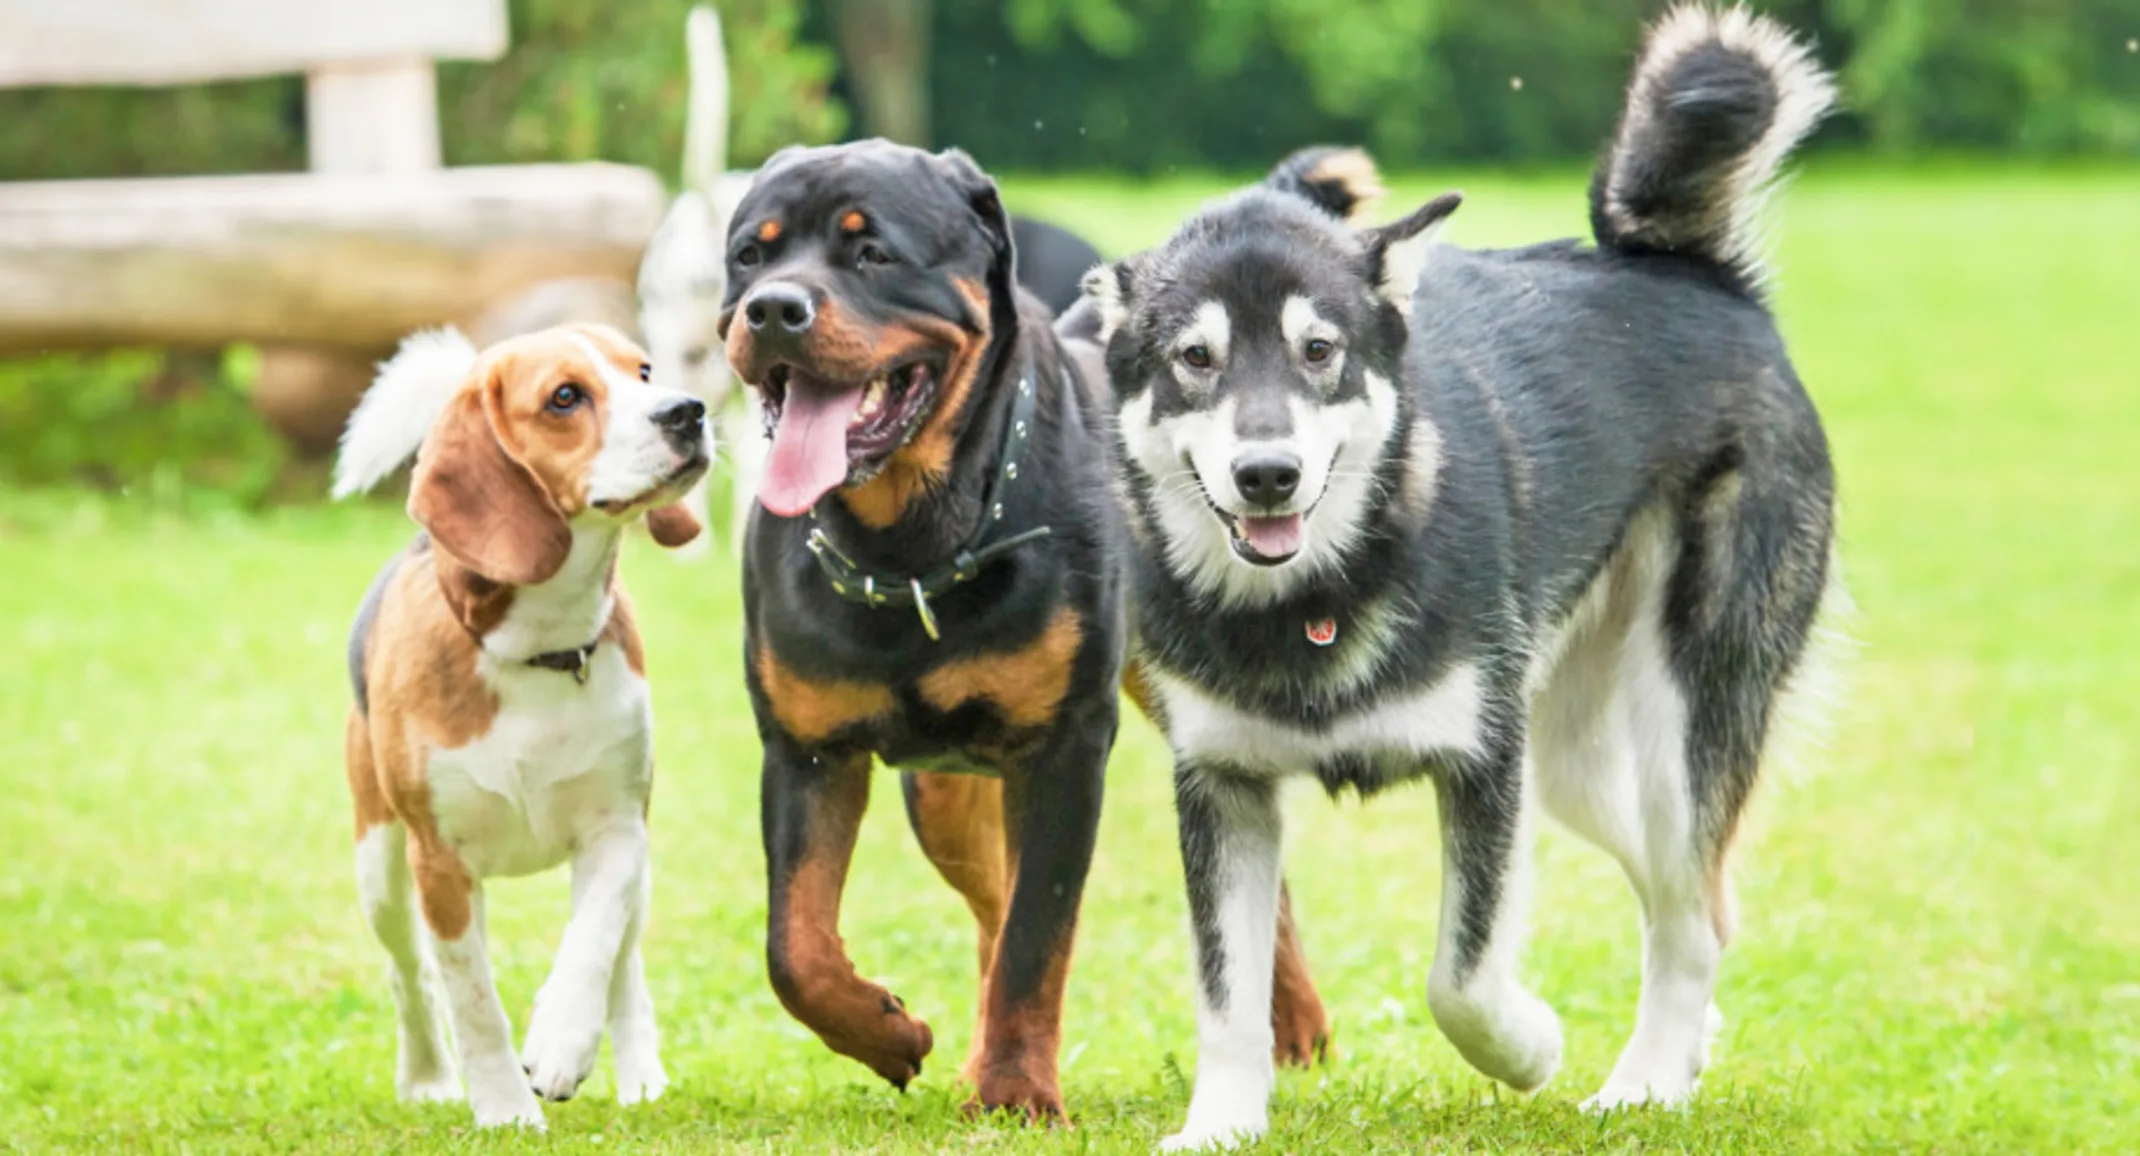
1546 524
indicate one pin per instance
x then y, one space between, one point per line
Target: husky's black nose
779 307
1267 479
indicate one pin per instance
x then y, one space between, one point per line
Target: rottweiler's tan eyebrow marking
769 232
853 222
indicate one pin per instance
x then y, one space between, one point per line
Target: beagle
502 723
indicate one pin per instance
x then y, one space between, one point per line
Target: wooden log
352 262
156 42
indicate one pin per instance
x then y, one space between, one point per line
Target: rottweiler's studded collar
976 554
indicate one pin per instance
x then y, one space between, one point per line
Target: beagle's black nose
684 417
780 307
1267 480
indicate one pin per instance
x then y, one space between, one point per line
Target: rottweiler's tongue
1273 537
809 455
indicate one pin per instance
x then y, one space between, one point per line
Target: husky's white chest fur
1441 718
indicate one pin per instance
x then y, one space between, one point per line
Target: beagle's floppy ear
672 525
481 504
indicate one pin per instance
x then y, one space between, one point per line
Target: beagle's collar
974 555
575 662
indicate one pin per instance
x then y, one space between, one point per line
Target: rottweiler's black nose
779 307
1267 479
684 417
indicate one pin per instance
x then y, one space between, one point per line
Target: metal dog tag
921 604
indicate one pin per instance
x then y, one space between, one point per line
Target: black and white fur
1569 510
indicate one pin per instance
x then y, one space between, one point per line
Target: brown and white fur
469 761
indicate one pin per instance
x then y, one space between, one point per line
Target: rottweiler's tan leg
1298 1022
812 808
958 820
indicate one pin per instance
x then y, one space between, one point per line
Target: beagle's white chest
561 760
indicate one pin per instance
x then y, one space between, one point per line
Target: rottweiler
935 577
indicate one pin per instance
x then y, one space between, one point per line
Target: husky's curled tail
1719 99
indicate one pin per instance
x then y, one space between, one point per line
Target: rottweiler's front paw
893 1046
1302 1039
1039 1101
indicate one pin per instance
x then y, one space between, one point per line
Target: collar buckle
577 662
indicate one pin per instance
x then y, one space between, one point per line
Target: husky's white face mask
1253 360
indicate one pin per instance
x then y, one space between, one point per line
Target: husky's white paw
1213 1137
429 1088
1508 1034
640 1076
1667 1086
1662 1070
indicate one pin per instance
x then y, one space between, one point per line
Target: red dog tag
1323 633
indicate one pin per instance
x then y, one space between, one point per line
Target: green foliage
175 429
1150 84
1427 81
61 133
583 79
588 79
2047 76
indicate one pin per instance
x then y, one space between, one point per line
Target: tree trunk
886 47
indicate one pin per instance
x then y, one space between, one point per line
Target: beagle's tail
398 411
1719 99
1340 181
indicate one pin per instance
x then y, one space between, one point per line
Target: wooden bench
325 270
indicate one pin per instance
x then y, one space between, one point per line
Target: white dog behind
683 273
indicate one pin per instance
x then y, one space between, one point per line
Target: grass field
1941 936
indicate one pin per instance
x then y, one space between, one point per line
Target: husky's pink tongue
809 454
1273 537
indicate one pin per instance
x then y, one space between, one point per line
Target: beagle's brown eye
1317 350
646 371
566 398
1196 357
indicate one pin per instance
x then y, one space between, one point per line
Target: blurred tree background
1142 85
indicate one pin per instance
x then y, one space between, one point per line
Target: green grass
1941 943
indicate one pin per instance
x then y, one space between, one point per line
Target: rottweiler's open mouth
830 433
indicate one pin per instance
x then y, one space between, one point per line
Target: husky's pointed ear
1396 252
1109 288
